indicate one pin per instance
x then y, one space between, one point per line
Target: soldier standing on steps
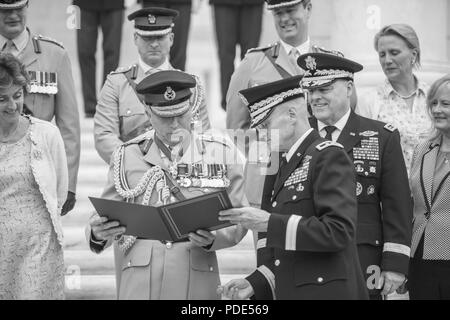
120 112
166 165
52 91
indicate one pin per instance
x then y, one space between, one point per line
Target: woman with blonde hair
401 99
33 188
430 186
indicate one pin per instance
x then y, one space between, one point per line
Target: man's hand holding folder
104 230
191 219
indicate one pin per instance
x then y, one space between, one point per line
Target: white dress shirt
301 49
149 69
19 43
339 126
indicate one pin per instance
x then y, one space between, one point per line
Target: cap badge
170 94
311 63
151 19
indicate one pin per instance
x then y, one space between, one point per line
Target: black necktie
329 130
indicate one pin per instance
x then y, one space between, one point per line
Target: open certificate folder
171 222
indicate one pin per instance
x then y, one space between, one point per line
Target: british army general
166 165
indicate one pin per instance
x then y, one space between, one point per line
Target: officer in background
263 65
120 114
306 227
237 22
169 164
52 92
181 29
95 14
383 231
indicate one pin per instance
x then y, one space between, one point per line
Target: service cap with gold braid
153 21
167 93
322 69
12 4
261 100
274 4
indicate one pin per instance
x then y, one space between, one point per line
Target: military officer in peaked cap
383 231
164 166
306 227
120 112
266 64
52 91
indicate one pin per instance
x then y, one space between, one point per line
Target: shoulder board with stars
263 48
390 127
47 39
326 144
122 70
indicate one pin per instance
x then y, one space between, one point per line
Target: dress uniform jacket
48 56
256 69
431 204
153 270
384 198
120 115
309 250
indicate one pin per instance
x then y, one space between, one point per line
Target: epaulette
263 48
47 39
327 144
390 127
121 70
317 49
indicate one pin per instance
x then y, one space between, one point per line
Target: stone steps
103 287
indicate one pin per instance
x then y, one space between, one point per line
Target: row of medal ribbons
43 82
201 175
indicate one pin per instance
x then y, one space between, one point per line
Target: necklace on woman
413 93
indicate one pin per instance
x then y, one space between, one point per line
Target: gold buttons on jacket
274 204
277 263
211 269
294 197
128 112
377 242
319 279
169 245
129 264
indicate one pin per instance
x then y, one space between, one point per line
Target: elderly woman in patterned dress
401 99
430 184
33 188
